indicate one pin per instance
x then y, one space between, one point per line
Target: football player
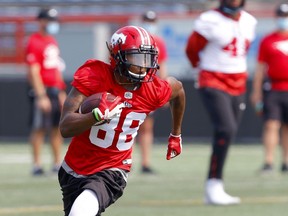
218 49
96 166
146 135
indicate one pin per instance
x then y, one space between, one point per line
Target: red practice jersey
218 48
43 50
273 52
110 145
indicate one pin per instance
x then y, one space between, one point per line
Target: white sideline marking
190 202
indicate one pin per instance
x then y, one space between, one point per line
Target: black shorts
107 184
38 119
276 106
225 110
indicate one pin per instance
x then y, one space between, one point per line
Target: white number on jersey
104 135
236 48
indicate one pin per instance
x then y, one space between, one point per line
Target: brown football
93 101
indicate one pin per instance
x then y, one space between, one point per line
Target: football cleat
215 194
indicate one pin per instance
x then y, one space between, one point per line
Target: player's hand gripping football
107 109
174 146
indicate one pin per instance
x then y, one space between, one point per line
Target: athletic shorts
108 186
276 106
225 110
45 120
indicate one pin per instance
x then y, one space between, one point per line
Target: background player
218 48
47 88
94 172
273 64
146 133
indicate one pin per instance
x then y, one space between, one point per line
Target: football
93 101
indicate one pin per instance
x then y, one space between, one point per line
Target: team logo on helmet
118 37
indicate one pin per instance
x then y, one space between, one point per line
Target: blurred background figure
145 134
273 64
47 92
218 48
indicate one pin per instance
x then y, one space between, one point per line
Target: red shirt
110 145
161 49
274 52
43 50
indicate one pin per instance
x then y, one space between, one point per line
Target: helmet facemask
137 65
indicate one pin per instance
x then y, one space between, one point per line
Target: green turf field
177 189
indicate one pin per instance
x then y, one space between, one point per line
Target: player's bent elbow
64 132
180 85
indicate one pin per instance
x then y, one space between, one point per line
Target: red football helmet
133 46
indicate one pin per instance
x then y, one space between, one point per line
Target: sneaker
37 171
284 168
215 194
147 170
266 169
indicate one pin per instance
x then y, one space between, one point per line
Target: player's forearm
258 78
36 80
177 106
73 124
